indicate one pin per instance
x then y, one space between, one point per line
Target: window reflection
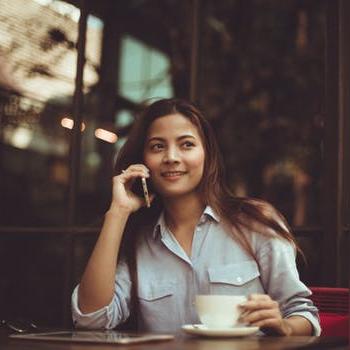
262 86
143 56
144 71
37 80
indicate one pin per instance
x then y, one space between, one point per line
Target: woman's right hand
122 196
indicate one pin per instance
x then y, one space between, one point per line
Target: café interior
273 78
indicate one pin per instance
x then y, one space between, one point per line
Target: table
186 342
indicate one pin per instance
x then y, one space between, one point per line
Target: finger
253 297
274 327
242 317
260 315
131 175
260 304
137 167
267 323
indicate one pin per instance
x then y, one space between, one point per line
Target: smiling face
175 155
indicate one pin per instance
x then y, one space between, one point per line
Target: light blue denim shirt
169 280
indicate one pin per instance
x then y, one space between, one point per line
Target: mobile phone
142 189
145 192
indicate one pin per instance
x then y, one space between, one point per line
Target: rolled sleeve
312 318
110 315
281 281
301 305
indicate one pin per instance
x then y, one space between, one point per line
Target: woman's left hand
260 310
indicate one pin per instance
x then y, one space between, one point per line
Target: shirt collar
160 226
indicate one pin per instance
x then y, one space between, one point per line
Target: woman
195 239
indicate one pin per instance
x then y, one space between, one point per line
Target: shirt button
239 279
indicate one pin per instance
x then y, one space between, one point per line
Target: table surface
187 342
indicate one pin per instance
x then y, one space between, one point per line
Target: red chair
333 306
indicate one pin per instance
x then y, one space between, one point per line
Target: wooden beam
336 143
331 179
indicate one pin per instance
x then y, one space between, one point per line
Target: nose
171 155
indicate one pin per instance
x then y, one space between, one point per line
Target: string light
106 135
68 123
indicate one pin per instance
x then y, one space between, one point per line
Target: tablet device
106 337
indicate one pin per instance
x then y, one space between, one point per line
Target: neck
183 212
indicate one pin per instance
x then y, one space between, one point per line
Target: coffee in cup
219 311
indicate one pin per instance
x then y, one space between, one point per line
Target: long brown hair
242 214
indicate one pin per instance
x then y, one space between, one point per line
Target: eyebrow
158 138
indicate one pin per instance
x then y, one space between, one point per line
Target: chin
175 194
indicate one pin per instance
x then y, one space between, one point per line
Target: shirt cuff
93 320
314 320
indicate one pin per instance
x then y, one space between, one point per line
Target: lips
172 173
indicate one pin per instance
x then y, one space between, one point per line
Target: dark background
271 77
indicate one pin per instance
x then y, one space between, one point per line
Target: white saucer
200 329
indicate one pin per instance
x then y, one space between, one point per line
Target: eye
188 144
156 147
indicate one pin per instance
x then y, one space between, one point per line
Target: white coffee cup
219 311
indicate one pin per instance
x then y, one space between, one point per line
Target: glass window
144 71
261 83
37 80
140 59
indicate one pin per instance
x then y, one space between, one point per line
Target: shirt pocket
236 279
157 300
156 290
